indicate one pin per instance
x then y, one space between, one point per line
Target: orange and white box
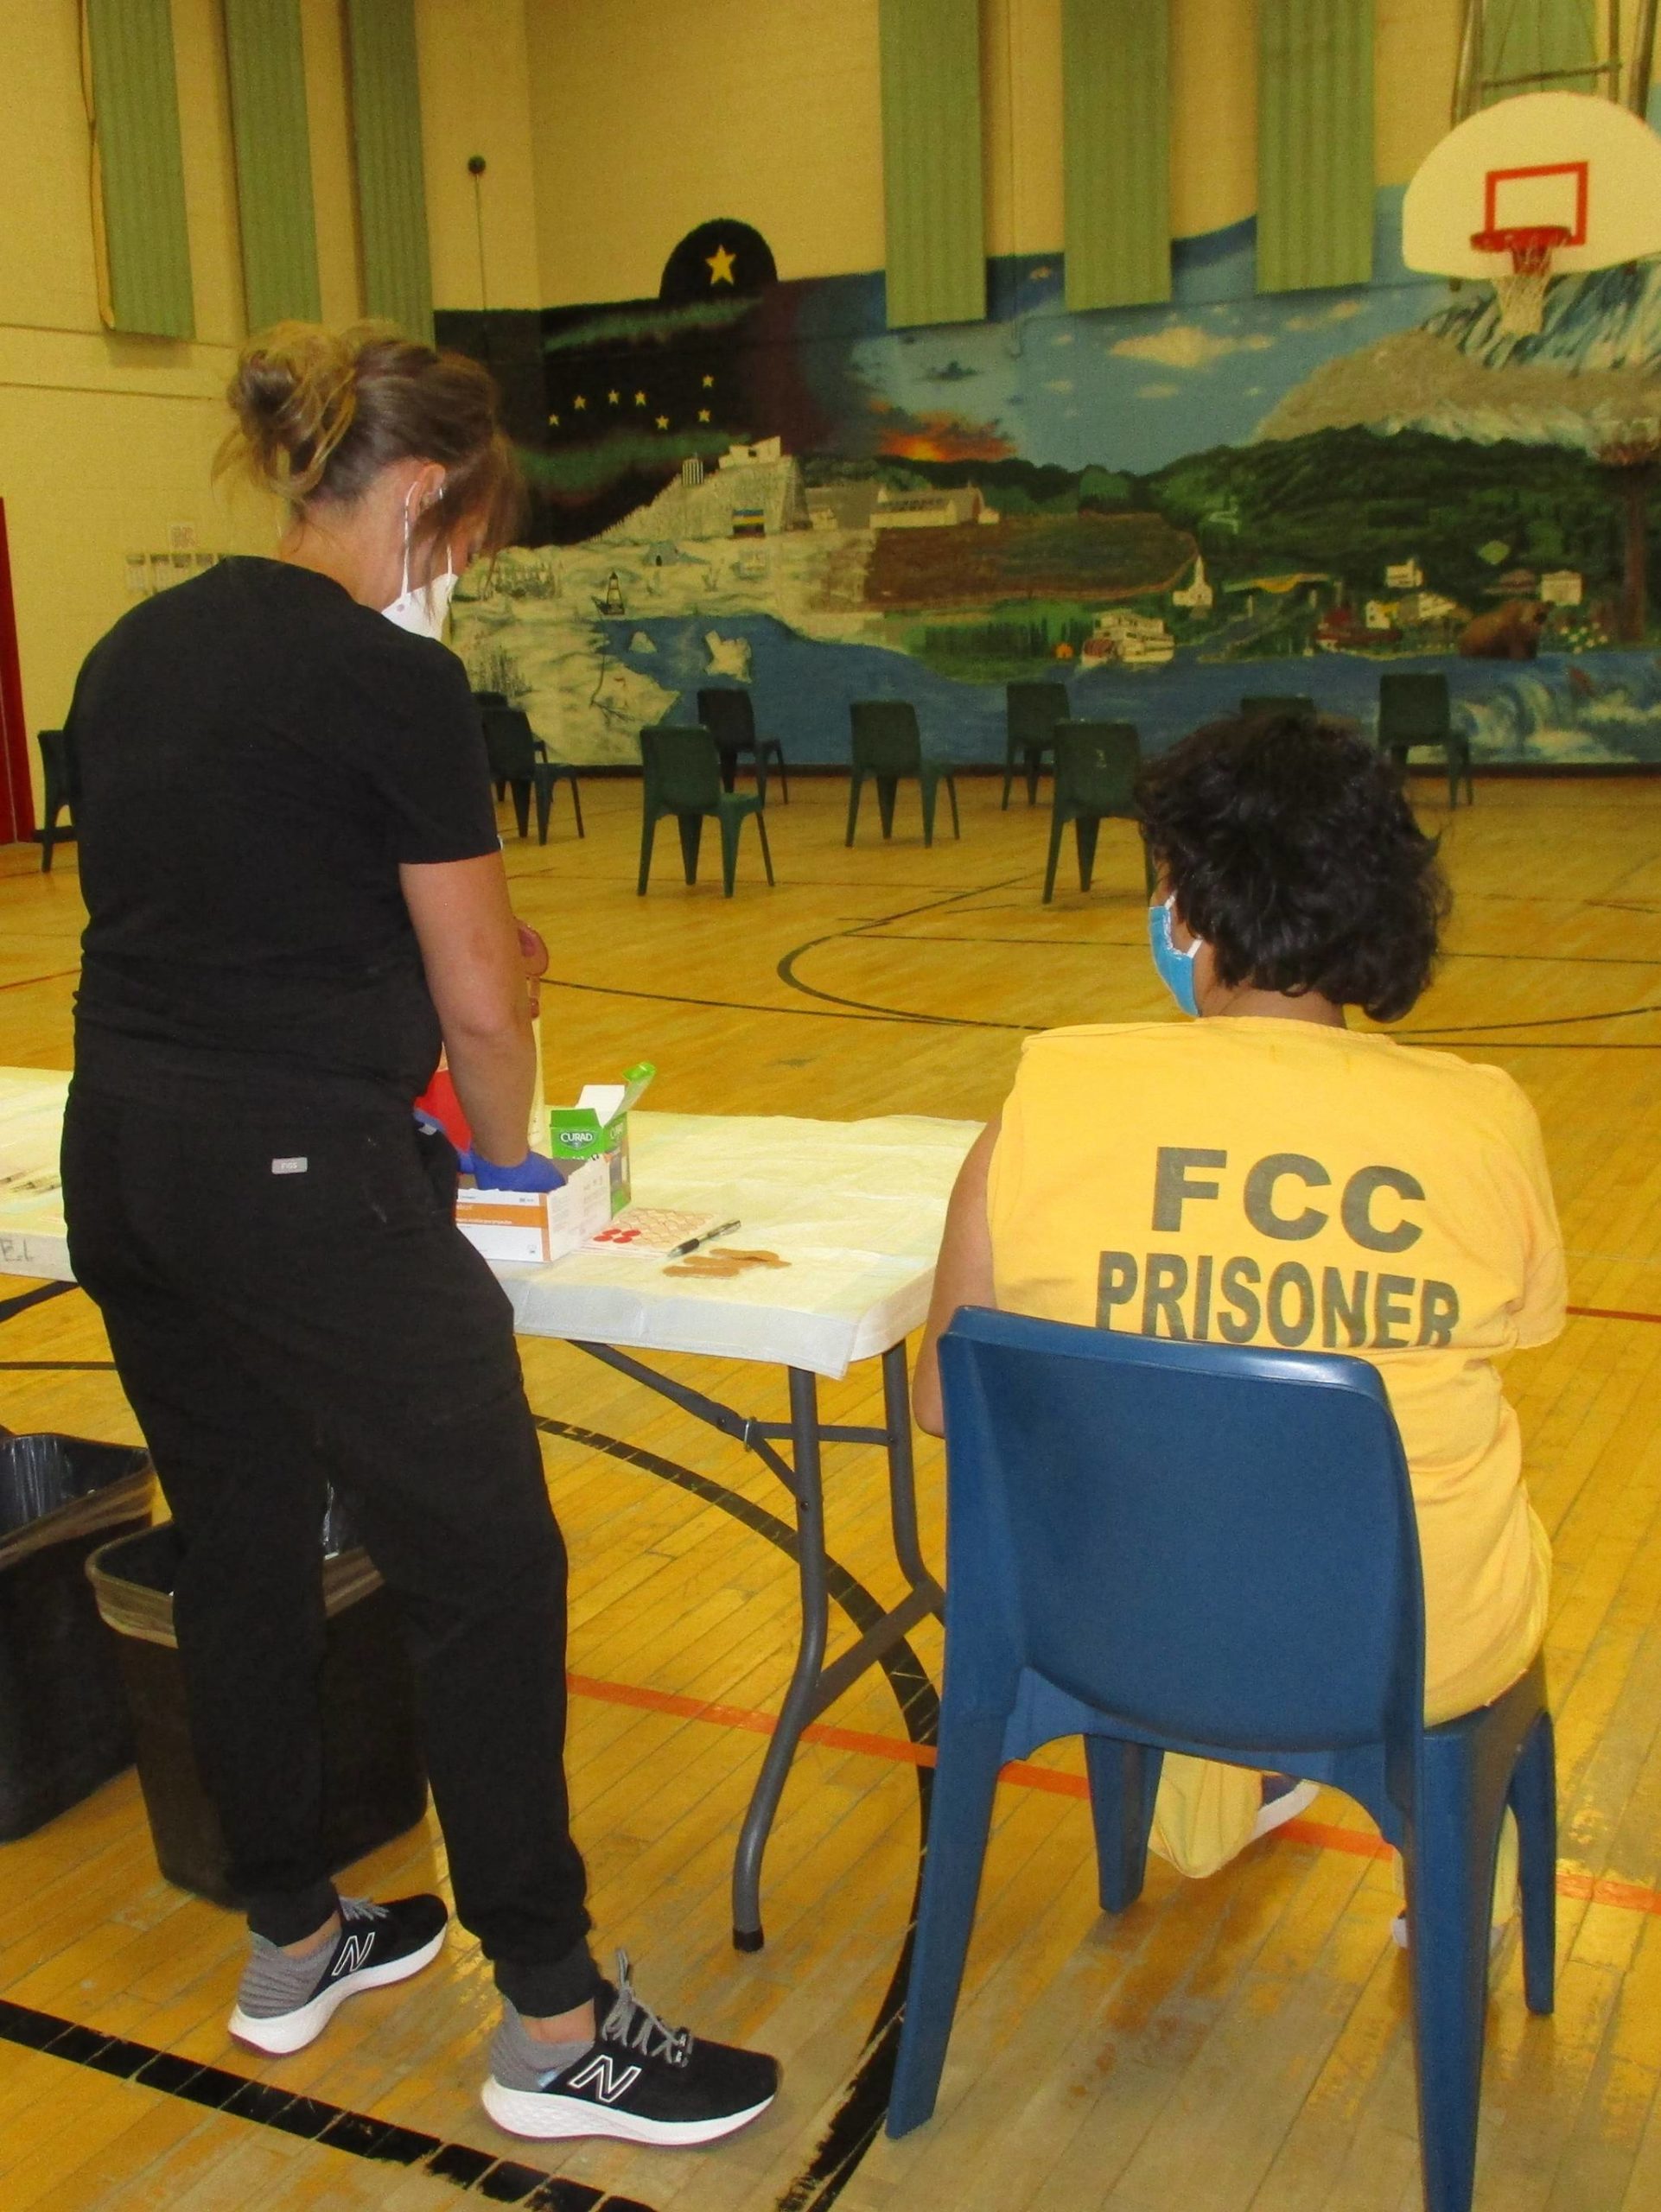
530 1227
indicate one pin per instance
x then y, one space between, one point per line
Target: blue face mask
1175 968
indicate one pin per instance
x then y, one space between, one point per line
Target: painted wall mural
753 482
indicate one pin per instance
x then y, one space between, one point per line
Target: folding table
856 1208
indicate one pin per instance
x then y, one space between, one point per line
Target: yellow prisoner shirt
1276 1183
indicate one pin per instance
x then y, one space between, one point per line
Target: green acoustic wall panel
1527 38
268 118
1117 151
398 281
1315 143
936 252
136 108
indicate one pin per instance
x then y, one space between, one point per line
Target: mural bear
1511 632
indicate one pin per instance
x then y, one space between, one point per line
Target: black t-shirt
257 754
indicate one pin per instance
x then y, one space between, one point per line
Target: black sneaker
285 2004
638 2080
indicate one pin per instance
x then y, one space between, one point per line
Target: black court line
37 1297
1139 944
216 2089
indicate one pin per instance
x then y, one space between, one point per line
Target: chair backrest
885 737
1413 709
511 743
728 715
1216 1545
1279 703
1034 709
682 768
60 762
1096 764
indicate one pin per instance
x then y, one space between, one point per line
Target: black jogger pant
289 1303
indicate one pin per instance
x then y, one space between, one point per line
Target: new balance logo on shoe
609 2083
354 1953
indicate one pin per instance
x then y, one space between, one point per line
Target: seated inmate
1264 1174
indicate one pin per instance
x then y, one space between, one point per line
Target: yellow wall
475 99
104 441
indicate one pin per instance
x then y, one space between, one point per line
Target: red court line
1609 1314
1358 1843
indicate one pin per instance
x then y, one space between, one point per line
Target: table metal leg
902 1474
802 1700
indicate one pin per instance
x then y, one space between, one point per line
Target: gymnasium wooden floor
1239 2043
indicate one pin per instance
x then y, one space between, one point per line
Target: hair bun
294 396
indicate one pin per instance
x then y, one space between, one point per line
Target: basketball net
1522 295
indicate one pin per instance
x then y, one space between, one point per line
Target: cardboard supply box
596 1128
533 1226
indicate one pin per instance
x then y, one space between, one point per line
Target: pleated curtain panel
1315 143
139 182
1116 152
273 159
398 282
935 256
1528 38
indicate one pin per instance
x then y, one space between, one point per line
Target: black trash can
63 1720
374 1774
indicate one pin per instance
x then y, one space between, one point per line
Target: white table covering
855 1207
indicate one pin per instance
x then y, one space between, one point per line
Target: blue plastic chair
1187 1547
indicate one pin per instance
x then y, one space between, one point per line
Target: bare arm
471 950
963 1275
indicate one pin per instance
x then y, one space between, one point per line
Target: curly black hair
1293 852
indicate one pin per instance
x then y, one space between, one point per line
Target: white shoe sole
1279 1810
292 2032
539 2113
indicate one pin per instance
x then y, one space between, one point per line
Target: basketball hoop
1522 295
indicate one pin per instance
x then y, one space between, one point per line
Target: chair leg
928 790
729 851
1035 763
649 831
1448 1862
1534 1802
576 807
1009 771
544 800
766 850
1086 830
728 768
855 785
521 791
1123 1783
692 836
783 780
886 788
951 783
959 1821
1058 823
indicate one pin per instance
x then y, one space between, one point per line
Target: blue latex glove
533 1173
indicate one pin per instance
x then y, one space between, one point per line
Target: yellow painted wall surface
104 440
649 115
328 125
475 99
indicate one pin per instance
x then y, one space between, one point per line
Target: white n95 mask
423 609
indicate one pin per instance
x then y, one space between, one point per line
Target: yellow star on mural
703 414
708 383
612 399
640 399
662 422
579 402
720 265
554 421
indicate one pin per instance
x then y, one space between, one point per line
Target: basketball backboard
1568 162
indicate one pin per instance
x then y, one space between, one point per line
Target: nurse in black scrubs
296 896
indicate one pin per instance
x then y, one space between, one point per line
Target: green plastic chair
1415 709
886 747
519 762
1280 703
731 719
683 778
1096 764
1030 711
61 777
